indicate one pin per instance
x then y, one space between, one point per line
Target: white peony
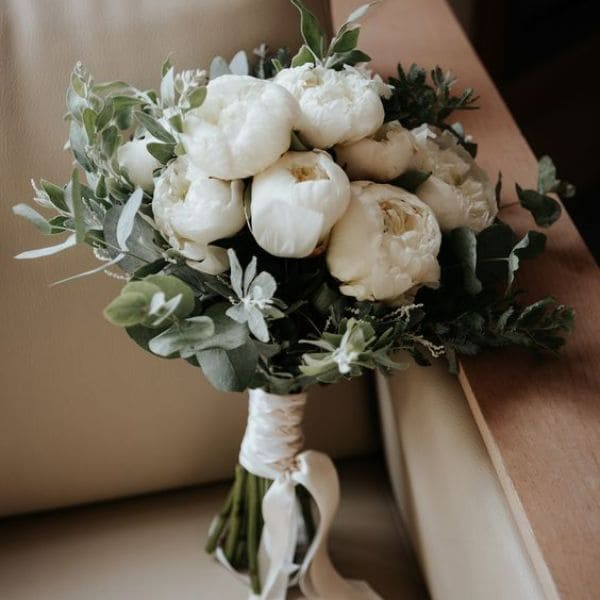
296 202
242 127
382 156
458 191
338 107
386 245
133 157
192 211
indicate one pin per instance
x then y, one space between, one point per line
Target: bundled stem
238 525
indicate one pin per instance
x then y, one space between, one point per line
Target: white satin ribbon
270 449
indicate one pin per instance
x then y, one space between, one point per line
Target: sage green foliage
275 323
544 208
342 48
417 98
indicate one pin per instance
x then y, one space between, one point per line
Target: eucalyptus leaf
545 210
127 309
229 370
171 286
182 336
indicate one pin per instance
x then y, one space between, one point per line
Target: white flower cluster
381 242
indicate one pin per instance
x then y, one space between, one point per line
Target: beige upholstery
151 548
86 415
451 501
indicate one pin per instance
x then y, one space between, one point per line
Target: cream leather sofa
86 417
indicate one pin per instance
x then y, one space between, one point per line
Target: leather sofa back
85 414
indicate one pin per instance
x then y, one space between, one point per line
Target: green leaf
89 123
239 64
361 11
228 333
77 206
411 179
464 243
141 247
105 115
172 286
229 370
110 140
303 56
167 88
530 246
182 337
545 210
127 309
78 141
127 218
56 195
311 30
197 97
29 254
546 175
162 152
347 41
33 216
154 127
337 61
218 67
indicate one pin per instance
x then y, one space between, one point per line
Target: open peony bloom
138 163
382 156
458 191
386 245
242 127
192 211
296 202
337 107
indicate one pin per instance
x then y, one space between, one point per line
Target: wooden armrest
539 419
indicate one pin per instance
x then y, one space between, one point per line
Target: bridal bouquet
288 221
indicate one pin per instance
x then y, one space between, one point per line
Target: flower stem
254 500
221 522
236 513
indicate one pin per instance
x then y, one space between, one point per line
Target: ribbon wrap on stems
271 448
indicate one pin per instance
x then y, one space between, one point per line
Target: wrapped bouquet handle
272 450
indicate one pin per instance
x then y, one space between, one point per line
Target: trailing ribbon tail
317 577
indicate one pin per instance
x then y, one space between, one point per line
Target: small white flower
192 211
386 245
242 127
254 302
138 163
382 156
337 107
296 202
458 191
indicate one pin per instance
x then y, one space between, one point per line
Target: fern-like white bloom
296 202
385 246
382 156
242 127
192 211
337 107
458 191
133 158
